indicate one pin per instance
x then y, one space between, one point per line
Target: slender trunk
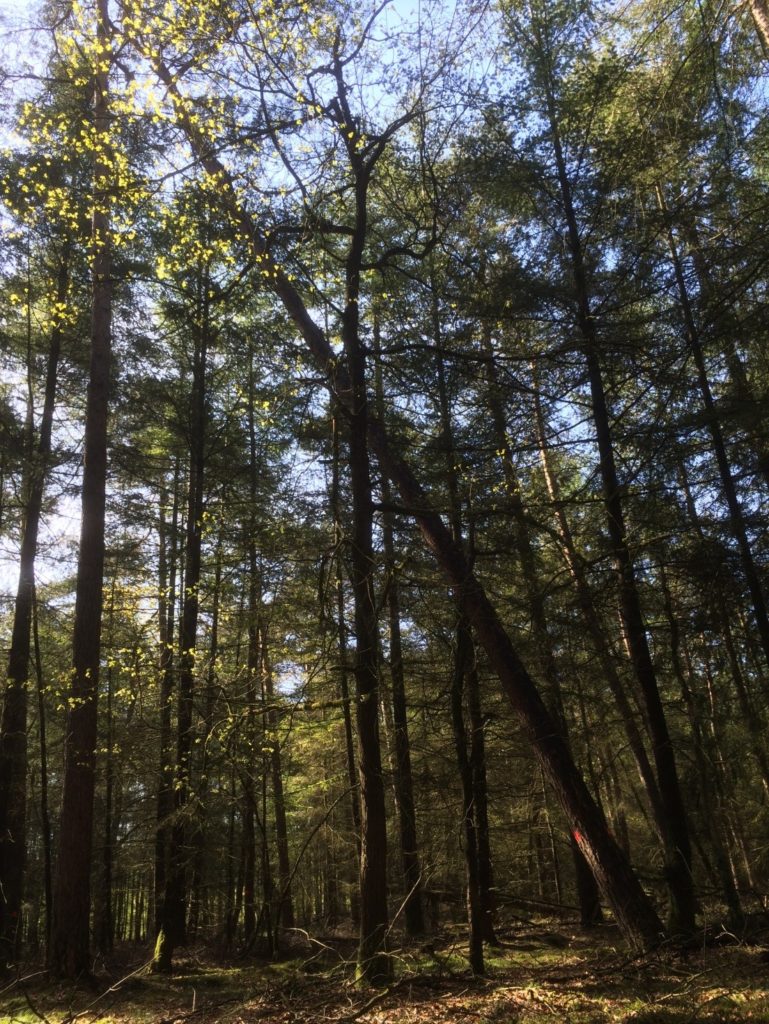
718 607
173 930
404 786
284 914
103 914
344 687
710 802
13 728
475 908
285 910
759 10
736 517
230 900
248 841
69 948
199 838
591 620
374 966
268 885
725 323
476 812
167 562
45 817
587 890
677 845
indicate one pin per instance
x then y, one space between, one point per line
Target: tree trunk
344 688
200 834
13 728
45 817
284 913
710 803
475 814
677 846
475 907
587 891
759 10
404 786
167 563
103 924
374 965
736 517
69 948
173 930
591 620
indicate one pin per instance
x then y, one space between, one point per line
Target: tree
70 933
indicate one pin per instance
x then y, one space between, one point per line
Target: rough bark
676 832
173 929
45 817
167 569
475 908
13 728
404 786
374 965
759 10
69 946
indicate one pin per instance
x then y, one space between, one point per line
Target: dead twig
196 1013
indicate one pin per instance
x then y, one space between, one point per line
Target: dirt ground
543 973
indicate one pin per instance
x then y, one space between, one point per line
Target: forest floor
542 974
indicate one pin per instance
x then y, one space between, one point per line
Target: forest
384 478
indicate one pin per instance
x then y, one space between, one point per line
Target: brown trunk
676 832
167 560
45 818
587 890
486 886
284 913
591 619
285 910
103 923
480 903
475 909
374 965
404 786
759 10
736 517
344 688
248 841
13 729
712 811
173 930
200 834
69 948
725 323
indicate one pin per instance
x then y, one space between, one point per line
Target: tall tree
70 932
